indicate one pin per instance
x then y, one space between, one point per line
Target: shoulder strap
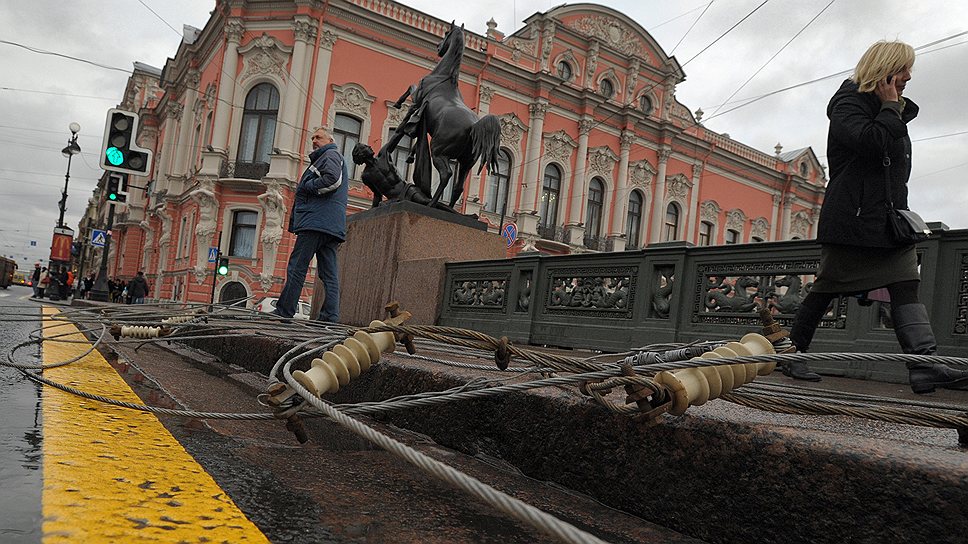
887 181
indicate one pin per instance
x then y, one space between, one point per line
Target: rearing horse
444 128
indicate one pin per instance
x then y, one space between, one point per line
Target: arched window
233 291
346 134
732 236
400 153
671 223
645 104
564 70
549 196
705 233
607 88
634 220
495 199
596 198
258 130
242 240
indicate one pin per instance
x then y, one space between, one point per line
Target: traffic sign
510 233
212 254
98 237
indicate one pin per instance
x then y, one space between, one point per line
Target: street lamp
69 151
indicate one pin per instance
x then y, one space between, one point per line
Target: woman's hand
886 90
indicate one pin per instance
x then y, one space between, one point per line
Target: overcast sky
40 95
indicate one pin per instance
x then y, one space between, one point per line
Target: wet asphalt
21 436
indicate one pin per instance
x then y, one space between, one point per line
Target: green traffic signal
114 156
113 196
223 266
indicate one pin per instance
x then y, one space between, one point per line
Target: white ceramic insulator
696 386
345 361
178 319
140 331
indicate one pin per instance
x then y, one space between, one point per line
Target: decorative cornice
601 160
735 219
611 32
709 211
304 30
353 99
641 173
559 146
538 109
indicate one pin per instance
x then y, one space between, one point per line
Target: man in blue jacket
318 220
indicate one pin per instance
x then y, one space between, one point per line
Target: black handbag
904 226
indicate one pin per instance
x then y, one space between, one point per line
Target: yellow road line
117 475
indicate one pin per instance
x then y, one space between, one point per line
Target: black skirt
853 269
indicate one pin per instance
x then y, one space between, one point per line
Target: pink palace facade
597 153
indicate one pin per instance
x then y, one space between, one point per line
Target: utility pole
100 292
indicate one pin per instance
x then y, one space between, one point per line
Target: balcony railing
547 232
244 170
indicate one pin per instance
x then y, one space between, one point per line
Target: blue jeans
137 300
323 246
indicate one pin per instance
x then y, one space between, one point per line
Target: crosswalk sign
98 237
212 254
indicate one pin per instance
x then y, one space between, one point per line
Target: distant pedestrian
318 220
35 279
869 150
138 289
43 282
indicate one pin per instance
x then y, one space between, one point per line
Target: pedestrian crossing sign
98 237
212 254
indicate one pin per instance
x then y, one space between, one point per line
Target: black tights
814 306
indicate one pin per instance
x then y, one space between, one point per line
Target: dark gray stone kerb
711 479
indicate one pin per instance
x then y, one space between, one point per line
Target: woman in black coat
867 144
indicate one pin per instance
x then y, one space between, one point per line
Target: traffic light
119 152
113 190
223 266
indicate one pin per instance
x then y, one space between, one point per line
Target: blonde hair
881 60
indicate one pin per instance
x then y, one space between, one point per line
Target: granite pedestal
397 252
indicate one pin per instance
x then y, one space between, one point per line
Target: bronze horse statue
444 129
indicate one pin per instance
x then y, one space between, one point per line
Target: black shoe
798 370
281 317
925 377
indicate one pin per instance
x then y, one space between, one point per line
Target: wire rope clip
695 386
502 353
396 317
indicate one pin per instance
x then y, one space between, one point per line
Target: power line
723 35
57 94
681 15
693 25
55 54
173 29
756 73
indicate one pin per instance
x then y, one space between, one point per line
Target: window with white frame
549 195
346 134
671 225
705 233
258 124
596 201
242 239
633 226
496 195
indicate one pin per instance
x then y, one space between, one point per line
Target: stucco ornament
149 244
611 32
601 160
204 196
735 219
759 228
352 99
274 211
512 131
265 56
679 186
641 173
709 211
559 145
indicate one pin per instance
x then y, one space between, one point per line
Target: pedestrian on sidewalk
318 220
35 279
868 134
138 288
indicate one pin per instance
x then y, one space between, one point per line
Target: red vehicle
7 268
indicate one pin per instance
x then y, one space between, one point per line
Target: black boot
798 370
912 327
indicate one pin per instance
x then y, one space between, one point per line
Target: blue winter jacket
320 203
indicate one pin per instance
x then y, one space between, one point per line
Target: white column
815 222
321 81
577 190
226 88
183 147
774 215
691 215
532 179
168 144
617 217
658 198
787 215
292 103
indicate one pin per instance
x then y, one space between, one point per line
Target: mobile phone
890 78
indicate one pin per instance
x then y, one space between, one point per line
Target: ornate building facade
597 154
